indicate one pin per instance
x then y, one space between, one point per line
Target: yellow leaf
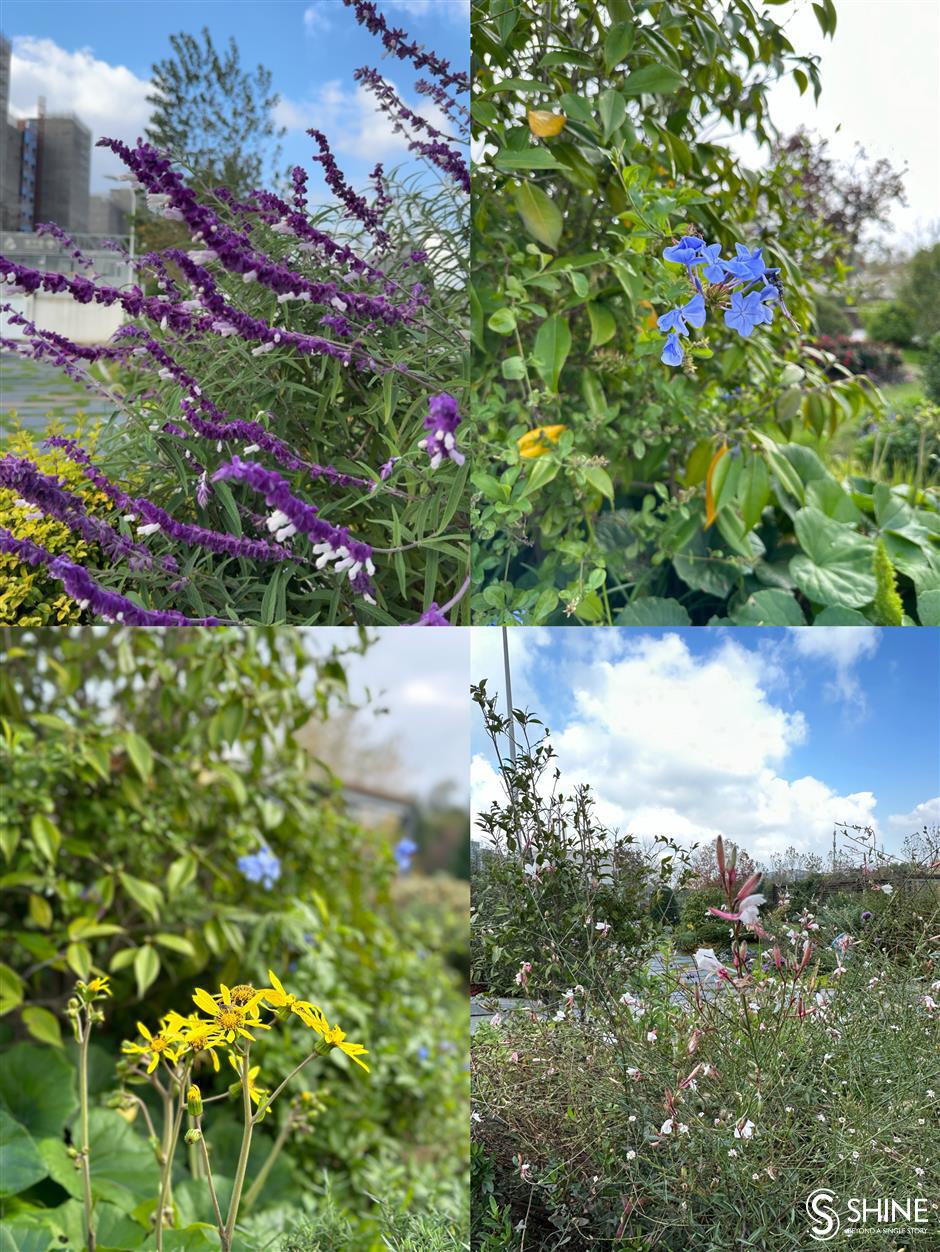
546 124
537 442
710 511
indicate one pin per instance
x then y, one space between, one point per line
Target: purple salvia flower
203 490
298 177
442 421
356 206
451 108
394 41
437 152
82 588
332 544
52 499
156 519
67 242
432 616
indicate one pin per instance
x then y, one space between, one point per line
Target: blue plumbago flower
423 1053
694 310
745 313
685 252
754 292
711 260
672 352
405 849
748 265
261 867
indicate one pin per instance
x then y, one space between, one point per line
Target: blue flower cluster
404 850
746 280
262 867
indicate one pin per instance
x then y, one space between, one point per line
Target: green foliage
919 292
556 891
668 497
139 766
832 317
212 116
887 609
893 323
697 929
932 369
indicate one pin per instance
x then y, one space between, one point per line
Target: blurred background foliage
140 770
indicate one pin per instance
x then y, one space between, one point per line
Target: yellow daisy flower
198 1036
255 1093
332 1036
231 1020
538 441
277 998
162 1044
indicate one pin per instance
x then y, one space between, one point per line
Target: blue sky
93 58
764 735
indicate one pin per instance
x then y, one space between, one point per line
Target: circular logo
819 1207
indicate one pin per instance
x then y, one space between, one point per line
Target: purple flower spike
290 516
88 594
442 421
432 616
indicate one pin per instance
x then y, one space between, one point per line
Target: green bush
891 323
139 767
697 929
919 291
832 317
932 369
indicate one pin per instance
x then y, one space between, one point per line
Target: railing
46 253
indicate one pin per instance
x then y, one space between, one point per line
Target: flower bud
194 1101
193 1136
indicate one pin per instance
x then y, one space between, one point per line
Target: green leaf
181 873
618 43
540 214
753 491
147 895
26 1236
146 968
512 368
503 321
835 566
600 481
769 608
176 943
42 1025
138 749
524 86
78 959
526 159
123 1170
543 471
840 617
603 324
657 80
21 1166
37 1087
653 611
46 835
612 109
928 608
11 989
552 345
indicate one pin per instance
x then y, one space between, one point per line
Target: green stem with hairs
242 1167
85 1149
255 1189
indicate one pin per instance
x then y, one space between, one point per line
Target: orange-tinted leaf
710 510
538 441
545 124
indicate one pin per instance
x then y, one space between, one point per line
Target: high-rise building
63 172
11 145
109 215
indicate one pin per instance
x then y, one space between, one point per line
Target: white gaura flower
666 1127
744 1129
708 964
749 908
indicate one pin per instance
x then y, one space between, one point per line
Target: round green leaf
540 214
21 1166
654 611
835 566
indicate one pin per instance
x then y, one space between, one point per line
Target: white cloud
842 649
927 813
316 19
110 99
353 120
674 743
455 9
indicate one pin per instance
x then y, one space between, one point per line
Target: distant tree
845 199
920 291
213 116
703 867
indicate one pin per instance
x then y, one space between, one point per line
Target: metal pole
512 727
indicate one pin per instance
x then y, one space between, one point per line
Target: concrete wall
82 323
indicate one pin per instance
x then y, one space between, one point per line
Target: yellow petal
546 124
538 441
204 1001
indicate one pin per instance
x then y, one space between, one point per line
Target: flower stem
85 1147
242 1158
255 1189
211 1181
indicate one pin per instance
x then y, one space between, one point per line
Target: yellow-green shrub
28 596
